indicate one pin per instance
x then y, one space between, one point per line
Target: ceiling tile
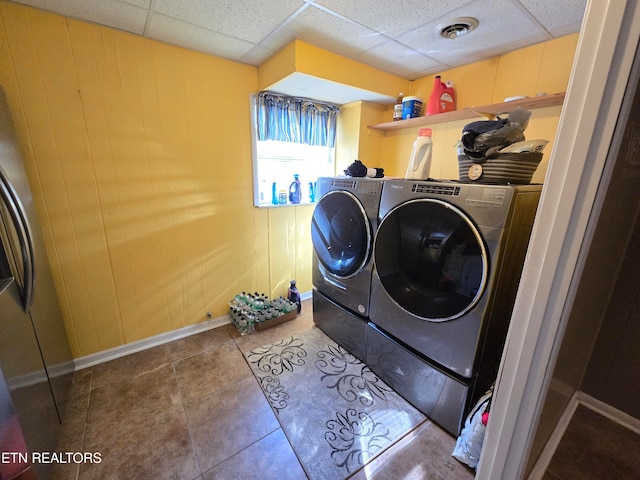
565 13
112 13
249 20
392 18
257 55
399 59
139 3
332 33
175 32
500 25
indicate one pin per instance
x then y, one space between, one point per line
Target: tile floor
595 448
192 410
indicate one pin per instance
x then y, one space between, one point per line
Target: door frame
602 64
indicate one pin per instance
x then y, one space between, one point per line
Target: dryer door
431 259
341 234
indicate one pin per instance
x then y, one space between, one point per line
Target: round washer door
341 233
431 259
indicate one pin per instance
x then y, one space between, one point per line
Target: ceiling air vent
458 27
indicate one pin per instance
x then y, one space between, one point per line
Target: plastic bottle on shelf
411 107
420 160
442 98
274 193
397 108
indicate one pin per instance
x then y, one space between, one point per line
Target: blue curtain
296 120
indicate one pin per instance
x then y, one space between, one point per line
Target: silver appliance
35 358
342 229
447 263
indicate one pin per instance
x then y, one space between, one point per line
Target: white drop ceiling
397 36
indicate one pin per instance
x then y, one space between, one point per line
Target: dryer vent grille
449 190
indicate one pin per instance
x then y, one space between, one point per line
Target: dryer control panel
436 189
487 197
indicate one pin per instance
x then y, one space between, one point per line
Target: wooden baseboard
610 412
133 347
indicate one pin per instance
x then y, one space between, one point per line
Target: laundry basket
515 168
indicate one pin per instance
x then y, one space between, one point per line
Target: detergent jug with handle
442 98
420 161
295 192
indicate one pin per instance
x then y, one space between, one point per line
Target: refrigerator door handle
19 219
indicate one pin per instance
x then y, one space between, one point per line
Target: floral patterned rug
336 413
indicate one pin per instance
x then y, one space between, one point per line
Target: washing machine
342 230
447 262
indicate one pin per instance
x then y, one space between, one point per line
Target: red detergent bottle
442 98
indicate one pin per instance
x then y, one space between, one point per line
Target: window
294 145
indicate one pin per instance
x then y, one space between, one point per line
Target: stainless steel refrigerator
35 359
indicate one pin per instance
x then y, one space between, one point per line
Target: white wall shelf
472 112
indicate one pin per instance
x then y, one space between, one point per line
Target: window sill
271 205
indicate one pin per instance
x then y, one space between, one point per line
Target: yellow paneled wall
541 68
354 140
139 157
348 135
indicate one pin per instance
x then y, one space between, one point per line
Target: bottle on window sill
295 192
312 192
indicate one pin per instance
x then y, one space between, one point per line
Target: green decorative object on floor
337 414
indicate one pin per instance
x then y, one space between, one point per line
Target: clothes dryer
342 231
448 258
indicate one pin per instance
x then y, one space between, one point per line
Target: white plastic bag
469 444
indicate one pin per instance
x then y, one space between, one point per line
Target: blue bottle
274 193
295 195
312 192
